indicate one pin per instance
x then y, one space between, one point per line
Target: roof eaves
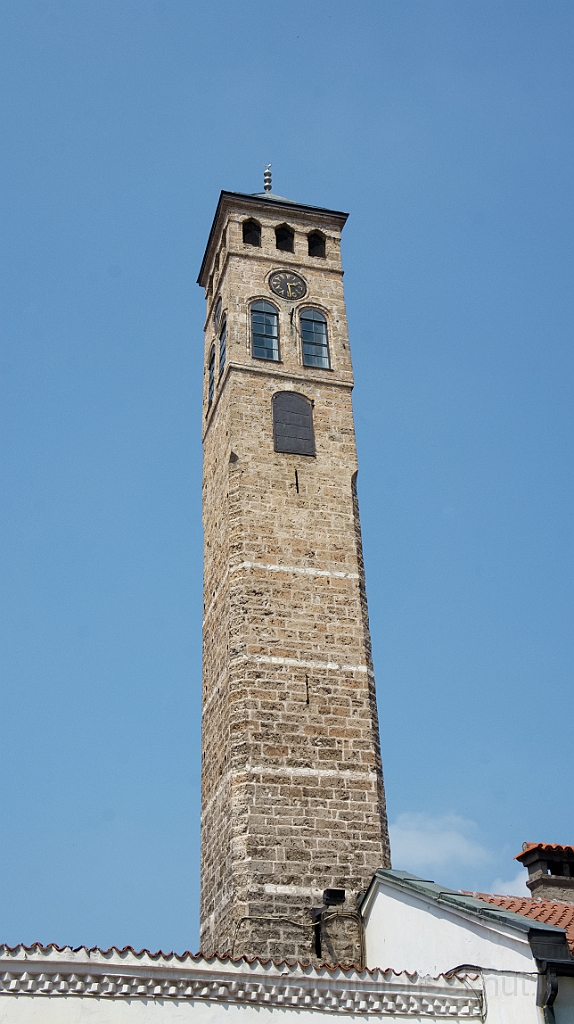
459 901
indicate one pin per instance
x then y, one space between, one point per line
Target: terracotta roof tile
127 955
546 911
546 847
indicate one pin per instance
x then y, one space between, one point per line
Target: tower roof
271 195
257 199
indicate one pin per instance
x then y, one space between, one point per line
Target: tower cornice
261 202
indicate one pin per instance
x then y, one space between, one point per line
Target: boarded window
293 424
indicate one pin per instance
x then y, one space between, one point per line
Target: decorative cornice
51 971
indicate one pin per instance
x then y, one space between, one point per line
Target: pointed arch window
314 339
217 313
265 331
284 238
293 424
251 232
222 344
211 376
316 243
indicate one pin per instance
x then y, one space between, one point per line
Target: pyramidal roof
271 195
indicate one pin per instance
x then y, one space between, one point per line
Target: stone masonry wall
292 797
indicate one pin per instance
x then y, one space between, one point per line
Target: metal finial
267 178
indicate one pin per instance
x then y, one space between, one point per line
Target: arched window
264 331
222 345
284 237
211 379
314 339
251 232
316 244
293 424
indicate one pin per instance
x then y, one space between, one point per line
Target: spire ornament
267 178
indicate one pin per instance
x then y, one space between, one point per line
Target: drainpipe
546 993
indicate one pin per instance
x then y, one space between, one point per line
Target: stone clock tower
293 809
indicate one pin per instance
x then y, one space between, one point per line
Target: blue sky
445 129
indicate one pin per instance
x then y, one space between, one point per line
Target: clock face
287 285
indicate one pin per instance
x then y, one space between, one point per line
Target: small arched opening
251 232
316 243
284 238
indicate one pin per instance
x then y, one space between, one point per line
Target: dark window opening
556 869
297 481
217 313
284 238
264 331
293 424
314 339
211 381
222 345
251 232
316 244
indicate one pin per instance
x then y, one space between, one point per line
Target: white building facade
525 966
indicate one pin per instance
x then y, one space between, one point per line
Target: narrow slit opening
317 936
297 481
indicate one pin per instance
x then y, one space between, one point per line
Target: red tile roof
545 911
546 847
127 955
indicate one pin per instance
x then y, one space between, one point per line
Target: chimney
550 870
